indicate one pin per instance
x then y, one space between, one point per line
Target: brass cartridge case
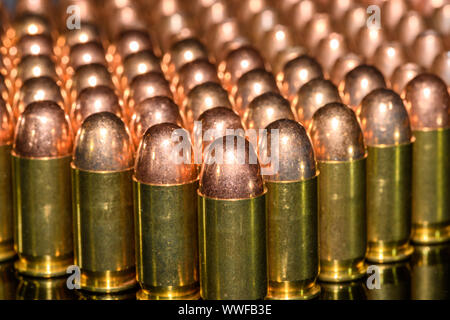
6 205
431 186
292 236
103 229
232 248
43 289
342 219
43 218
389 203
166 241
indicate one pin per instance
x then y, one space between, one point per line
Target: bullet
34 45
35 67
124 20
37 89
341 160
174 28
329 49
388 57
427 100
6 203
112 296
222 33
300 13
166 216
237 63
441 66
90 75
367 41
231 45
37 7
292 220
103 204
148 85
312 96
275 40
265 109
193 74
429 272
203 97
354 19
88 32
86 53
232 222
213 14
246 9
30 24
285 56
133 41
296 73
353 290
94 100
30 288
150 112
403 74
394 282
358 83
261 23
317 28
393 11
387 135
252 84
182 53
140 63
8 281
426 47
409 27
42 191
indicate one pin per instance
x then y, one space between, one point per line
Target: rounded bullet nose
149 85
289 146
152 111
403 74
409 27
35 67
6 124
196 73
300 13
87 53
38 7
229 46
103 144
343 65
426 47
336 134
384 119
87 33
185 51
392 13
222 33
330 49
354 19
140 63
125 19
312 96
427 100
297 72
38 89
171 28
217 121
251 85
30 24
316 29
359 82
231 170
92 75
246 9
133 41
214 13
368 40
275 40
32 45
165 156
203 97
265 109
285 56
389 56
441 18
262 23
240 61
441 66
93 100
43 131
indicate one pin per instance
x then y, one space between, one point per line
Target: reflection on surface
8 282
395 283
430 268
43 289
126 295
343 291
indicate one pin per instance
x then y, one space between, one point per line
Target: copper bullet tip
276 40
231 170
240 61
195 73
388 57
103 144
441 66
92 75
150 112
87 33
203 97
426 47
6 124
93 100
160 160
285 56
427 100
409 27
39 44
149 85
336 134
186 51
140 63
35 67
133 41
403 74
43 131
343 65
87 53
265 109
359 82
312 96
330 49
295 151
30 24
384 119
316 29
